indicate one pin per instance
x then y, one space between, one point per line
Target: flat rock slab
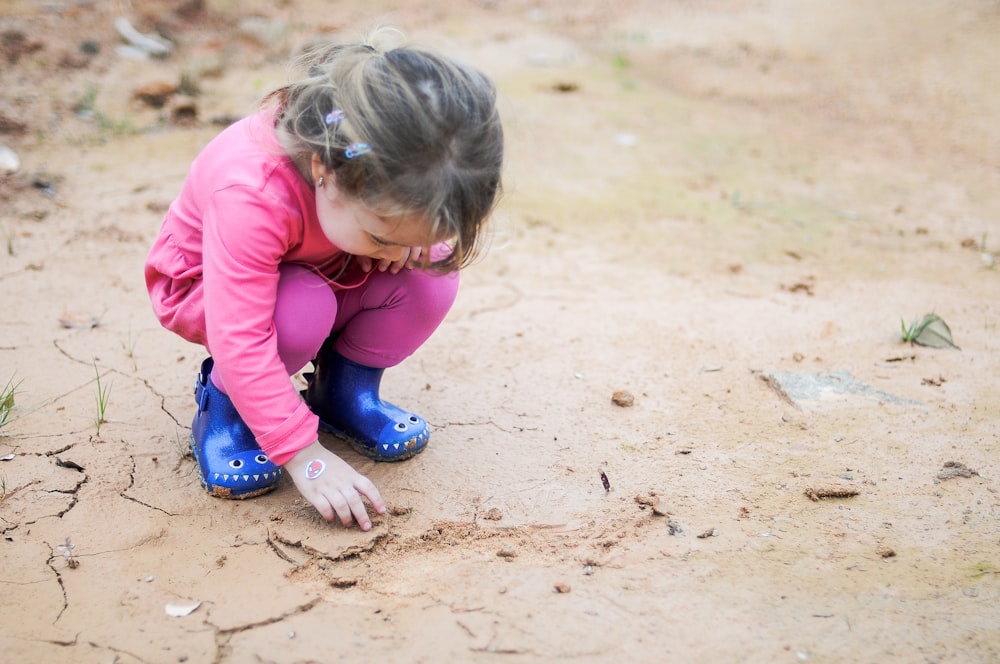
812 388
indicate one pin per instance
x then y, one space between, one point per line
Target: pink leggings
378 324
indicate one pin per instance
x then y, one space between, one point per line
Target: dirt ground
701 197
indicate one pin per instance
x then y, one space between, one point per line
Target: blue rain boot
231 463
344 394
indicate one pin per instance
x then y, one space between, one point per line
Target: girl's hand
409 259
333 487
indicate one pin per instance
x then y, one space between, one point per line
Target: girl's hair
406 131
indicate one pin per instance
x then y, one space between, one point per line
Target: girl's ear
319 170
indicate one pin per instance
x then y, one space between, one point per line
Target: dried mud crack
223 636
124 492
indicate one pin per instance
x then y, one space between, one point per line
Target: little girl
328 227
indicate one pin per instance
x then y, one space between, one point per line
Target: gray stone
800 388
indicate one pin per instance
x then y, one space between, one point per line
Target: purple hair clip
333 117
356 150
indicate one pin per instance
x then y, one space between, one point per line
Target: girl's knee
304 312
427 290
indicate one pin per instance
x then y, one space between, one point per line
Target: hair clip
356 150
333 117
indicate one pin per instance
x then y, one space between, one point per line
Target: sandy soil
700 196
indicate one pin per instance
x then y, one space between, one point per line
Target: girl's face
355 229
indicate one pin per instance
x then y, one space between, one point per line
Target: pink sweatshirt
212 272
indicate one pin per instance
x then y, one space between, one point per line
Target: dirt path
714 207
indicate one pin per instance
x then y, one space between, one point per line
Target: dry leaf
181 610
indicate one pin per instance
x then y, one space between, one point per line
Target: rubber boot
344 394
231 463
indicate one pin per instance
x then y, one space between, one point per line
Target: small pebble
562 588
623 399
9 161
661 508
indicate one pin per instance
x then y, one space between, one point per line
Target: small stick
831 492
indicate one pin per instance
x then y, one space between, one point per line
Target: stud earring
319 182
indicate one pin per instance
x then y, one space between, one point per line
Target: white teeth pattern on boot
246 478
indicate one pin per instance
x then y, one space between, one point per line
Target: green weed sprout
102 399
7 400
930 331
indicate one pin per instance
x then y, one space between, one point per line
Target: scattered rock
74 60
566 86
493 514
711 532
674 527
885 552
659 505
11 125
661 508
9 161
71 322
623 398
155 94
562 588
14 44
183 110
952 469
803 388
647 501
507 553
152 45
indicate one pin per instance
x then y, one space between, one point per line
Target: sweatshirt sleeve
246 235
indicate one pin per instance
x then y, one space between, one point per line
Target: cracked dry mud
698 195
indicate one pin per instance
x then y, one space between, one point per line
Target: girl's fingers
323 506
368 490
400 263
350 508
360 511
414 259
342 508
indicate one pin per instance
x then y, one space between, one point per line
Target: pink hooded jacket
212 273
